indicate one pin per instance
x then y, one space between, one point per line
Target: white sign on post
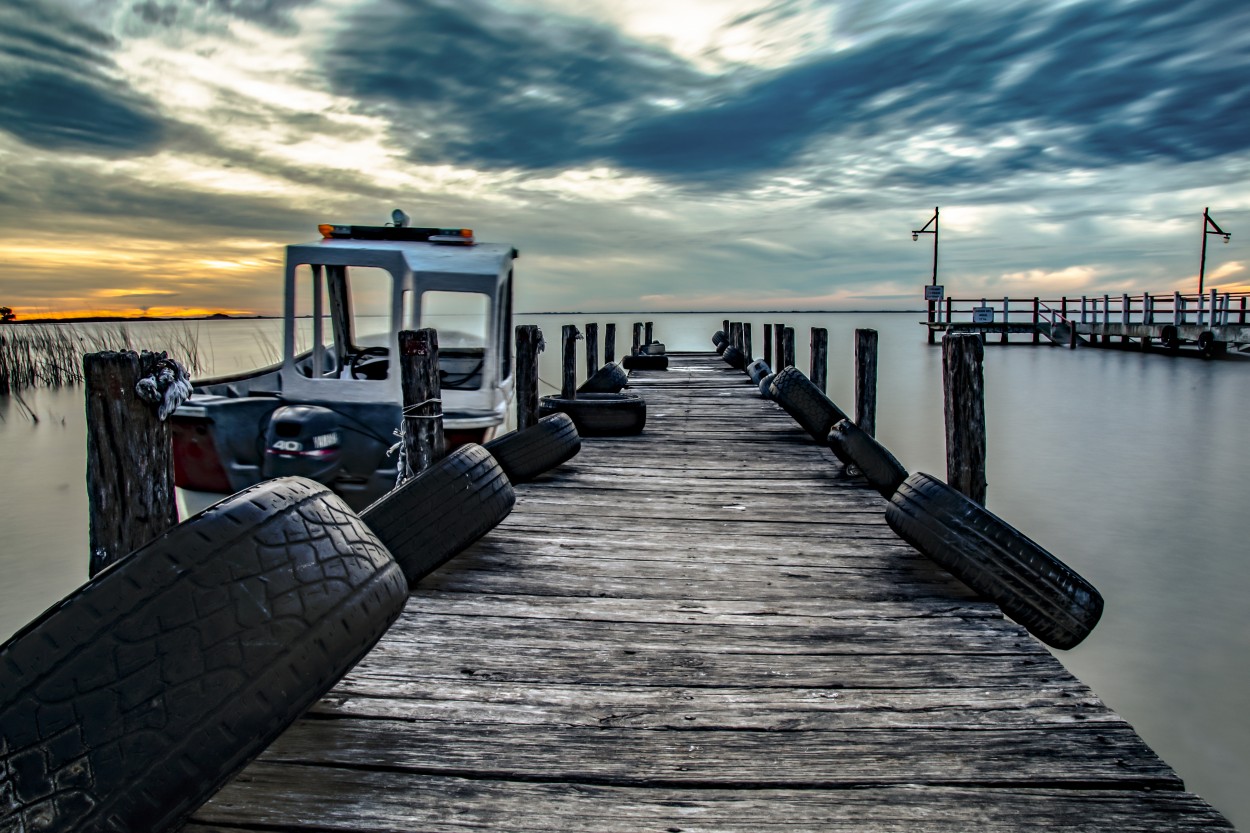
934 292
982 315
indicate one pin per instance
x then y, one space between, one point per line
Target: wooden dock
704 628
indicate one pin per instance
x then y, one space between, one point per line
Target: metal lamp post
1209 226
915 235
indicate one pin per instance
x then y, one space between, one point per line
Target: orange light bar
326 230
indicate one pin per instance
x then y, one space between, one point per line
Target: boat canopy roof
491 259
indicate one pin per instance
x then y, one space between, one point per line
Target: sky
157 155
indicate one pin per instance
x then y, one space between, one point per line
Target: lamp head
915 235
1227 236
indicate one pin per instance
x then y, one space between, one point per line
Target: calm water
1131 468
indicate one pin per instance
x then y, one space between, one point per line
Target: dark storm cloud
274 14
59 88
500 89
1092 84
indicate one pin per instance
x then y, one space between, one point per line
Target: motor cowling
304 441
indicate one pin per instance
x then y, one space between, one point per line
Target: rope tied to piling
410 412
164 383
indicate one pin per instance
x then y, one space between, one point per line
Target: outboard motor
303 441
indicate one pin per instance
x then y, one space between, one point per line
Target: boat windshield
463 323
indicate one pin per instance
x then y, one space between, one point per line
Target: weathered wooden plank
797 759
680 708
622 666
272 796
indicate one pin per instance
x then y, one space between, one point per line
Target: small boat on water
329 409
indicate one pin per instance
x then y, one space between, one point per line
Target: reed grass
50 355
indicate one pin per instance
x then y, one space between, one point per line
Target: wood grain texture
706 627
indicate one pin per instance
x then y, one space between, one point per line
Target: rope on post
165 382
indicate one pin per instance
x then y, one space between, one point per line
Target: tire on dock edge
130 702
1034 588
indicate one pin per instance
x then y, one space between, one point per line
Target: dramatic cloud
1090 84
60 90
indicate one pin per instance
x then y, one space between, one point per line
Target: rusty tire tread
129 703
1034 588
853 446
800 397
608 379
600 415
524 455
440 512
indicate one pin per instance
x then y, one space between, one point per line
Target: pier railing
1209 309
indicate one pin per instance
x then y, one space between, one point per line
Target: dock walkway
704 628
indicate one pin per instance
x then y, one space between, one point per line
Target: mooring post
964 388
424 443
768 344
820 358
609 343
568 383
592 349
648 336
725 327
746 341
130 461
866 381
787 345
637 348
529 343
735 334
1037 320
1006 314
779 346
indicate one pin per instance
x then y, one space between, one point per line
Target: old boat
330 408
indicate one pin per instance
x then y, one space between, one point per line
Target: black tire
766 385
655 348
718 338
757 370
600 414
431 517
1169 337
130 702
1206 344
523 455
810 408
608 379
983 551
854 447
735 358
646 362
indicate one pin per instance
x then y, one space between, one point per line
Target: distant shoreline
121 319
126 319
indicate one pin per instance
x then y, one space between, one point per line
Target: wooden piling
424 443
787 347
637 348
592 349
746 341
768 345
866 381
820 358
568 349
609 343
528 345
649 335
1037 320
779 350
964 388
130 463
